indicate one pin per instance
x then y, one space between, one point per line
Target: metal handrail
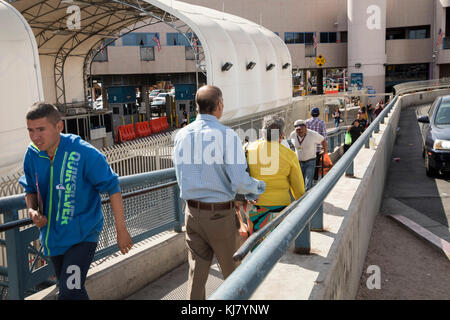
21 277
249 275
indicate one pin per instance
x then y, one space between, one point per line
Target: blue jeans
308 172
71 269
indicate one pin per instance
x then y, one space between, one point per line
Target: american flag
315 41
440 37
156 39
195 43
102 48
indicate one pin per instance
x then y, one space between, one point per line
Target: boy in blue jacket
64 176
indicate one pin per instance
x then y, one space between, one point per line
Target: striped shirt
210 163
317 125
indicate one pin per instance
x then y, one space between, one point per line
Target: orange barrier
143 129
155 125
164 123
126 132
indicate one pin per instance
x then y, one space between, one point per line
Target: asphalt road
407 181
410 267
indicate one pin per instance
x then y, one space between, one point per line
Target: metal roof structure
249 63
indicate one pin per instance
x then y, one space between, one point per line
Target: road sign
320 60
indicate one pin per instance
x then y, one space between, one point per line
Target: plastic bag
348 138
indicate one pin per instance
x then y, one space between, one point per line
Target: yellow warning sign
320 60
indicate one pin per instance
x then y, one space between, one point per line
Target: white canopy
20 85
227 38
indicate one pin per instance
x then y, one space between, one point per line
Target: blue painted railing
304 215
137 190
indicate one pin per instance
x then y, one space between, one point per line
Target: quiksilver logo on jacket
70 183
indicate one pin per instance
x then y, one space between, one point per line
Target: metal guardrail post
16 262
350 172
317 220
302 244
367 143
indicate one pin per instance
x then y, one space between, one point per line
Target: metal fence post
317 220
178 209
302 244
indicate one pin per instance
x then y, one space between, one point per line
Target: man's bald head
208 98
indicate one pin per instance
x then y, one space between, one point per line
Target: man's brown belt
210 206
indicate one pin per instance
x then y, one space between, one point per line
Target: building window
178 39
310 51
419 32
415 32
309 37
189 53
294 37
147 53
328 37
141 39
399 73
344 36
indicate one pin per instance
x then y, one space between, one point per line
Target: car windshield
443 113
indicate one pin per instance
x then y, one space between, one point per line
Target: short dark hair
44 110
208 100
272 122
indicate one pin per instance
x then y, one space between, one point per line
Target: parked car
98 103
435 131
159 101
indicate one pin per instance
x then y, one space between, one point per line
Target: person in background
370 108
63 178
315 124
355 132
305 141
361 121
208 183
337 117
378 108
270 161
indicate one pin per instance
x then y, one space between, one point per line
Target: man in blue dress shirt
211 168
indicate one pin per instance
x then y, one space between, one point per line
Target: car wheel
431 172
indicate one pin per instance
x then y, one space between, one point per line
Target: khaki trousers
209 233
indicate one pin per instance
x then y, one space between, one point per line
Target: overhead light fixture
286 65
270 67
227 66
251 65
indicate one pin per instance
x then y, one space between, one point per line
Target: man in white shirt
305 142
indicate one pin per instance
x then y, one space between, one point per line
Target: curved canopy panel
69 32
228 39
20 85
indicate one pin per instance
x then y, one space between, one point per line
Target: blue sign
185 91
356 78
371 90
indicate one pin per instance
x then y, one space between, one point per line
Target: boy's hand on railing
124 241
39 220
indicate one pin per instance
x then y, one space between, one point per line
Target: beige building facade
401 37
